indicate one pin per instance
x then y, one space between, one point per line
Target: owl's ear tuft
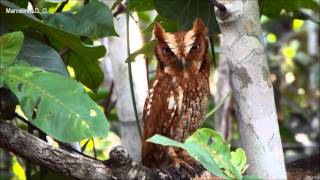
159 32
199 27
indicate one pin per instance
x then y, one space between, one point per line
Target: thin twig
147 68
94 149
130 72
218 105
212 51
108 101
64 51
220 6
61 6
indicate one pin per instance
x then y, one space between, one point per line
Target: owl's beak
182 63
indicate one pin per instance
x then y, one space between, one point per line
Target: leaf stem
212 51
218 105
130 71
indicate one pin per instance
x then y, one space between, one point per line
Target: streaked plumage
177 101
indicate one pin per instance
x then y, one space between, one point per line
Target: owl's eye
167 50
195 46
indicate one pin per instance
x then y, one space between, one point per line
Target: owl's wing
158 112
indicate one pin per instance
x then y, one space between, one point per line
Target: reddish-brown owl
177 102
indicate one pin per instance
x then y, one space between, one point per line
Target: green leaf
274 8
93 20
147 50
185 12
21 3
141 5
158 139
86 70
210 149
205 158
56 104
41 55
91 77
10 45
239 159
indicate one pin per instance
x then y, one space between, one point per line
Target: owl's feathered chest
179 105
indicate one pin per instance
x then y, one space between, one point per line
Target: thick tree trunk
252 89
116 57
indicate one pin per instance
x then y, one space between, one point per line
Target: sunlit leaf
94 20
91 75
210 149
56 104
10 45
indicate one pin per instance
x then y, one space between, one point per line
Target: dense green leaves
141 5
87 55
209 148
41 55
184 12
93 20
272 8
10 45
56 104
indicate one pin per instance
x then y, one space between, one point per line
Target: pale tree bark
252 89
116 57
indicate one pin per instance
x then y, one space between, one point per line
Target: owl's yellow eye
195 46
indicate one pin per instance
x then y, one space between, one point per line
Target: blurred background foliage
291 34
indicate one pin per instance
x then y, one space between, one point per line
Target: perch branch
29 147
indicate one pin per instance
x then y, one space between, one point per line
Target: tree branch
118 166
57 160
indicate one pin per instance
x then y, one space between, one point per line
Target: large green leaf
141 5
56 104
41 55
164 141
185 11
94 20
10 45
210 149
88 53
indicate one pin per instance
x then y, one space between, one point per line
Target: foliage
92 20
184 12
11 43
51 100
57 44
82 57
209 148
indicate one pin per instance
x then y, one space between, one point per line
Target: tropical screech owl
177 102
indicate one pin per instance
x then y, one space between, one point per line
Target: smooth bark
242 44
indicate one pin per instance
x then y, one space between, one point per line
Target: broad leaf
10 45
41 55
210 149
185 11
93 20
158 139
56 104
141 5
88 53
